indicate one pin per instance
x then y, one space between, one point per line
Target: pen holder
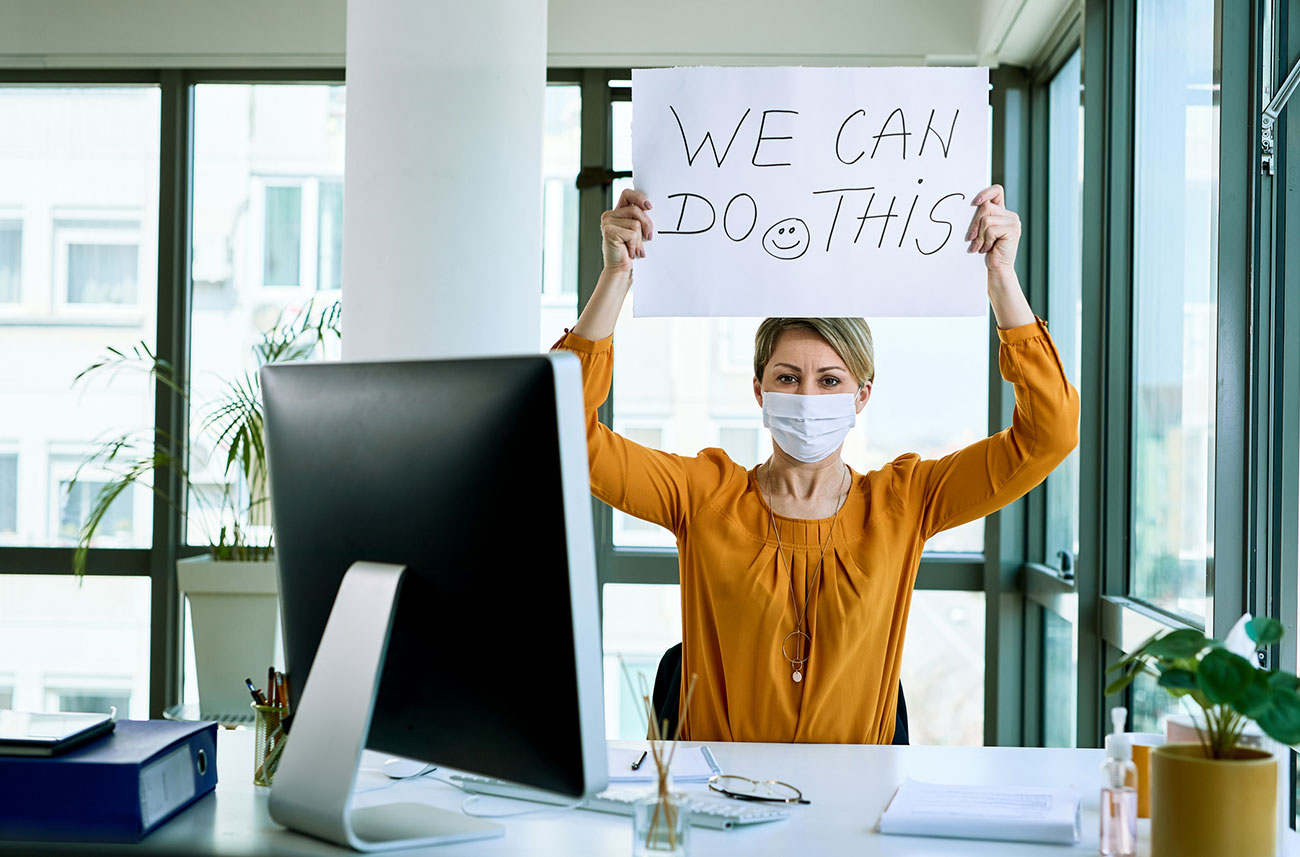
268 742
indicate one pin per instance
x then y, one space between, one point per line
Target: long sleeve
987 475
655 486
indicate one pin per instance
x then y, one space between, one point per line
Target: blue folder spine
94 793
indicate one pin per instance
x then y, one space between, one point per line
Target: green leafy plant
1223 680
228 430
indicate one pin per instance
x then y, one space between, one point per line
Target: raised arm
652 485
987 475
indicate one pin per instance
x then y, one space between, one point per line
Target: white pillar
442 203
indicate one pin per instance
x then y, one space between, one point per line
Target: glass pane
1175 214
11 261
329 229
8 495
561 158
69 645
267 254
642 621
1060 671
282 243
1151 704
102 273
694 377
943 668
1065 283
78 276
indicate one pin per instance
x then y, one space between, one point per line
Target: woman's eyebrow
823 369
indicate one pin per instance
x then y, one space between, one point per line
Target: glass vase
659 826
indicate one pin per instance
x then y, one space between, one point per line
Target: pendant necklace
799 635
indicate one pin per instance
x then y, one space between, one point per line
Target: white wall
36 33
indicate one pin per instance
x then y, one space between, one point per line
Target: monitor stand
313 786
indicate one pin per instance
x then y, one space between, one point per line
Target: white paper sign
810 191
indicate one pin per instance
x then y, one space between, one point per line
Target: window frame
157 562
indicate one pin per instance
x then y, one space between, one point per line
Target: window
329 236
561 156
267 244
75 499
79 168
69 645
1065 285
282 241
1175 246
1060 671
11 261
641 621
98 261
8 495
943 668
97 700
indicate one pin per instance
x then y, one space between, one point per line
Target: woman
797 575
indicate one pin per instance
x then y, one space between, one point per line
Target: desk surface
849 786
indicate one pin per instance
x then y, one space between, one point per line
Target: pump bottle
1118 792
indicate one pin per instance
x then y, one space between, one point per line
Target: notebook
1012 813
24 733
690 765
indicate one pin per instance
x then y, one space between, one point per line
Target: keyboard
717 813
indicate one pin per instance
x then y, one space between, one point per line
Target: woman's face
804 363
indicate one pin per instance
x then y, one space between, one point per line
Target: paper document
690 765
1014 813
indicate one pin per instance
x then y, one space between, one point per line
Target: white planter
235 611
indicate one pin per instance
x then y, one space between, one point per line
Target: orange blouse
736 607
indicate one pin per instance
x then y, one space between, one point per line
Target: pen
637 764
708 757
270 686
257 694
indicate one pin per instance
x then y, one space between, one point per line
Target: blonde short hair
849 337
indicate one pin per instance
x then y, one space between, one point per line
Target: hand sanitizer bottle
1118 792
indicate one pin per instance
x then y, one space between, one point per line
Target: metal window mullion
1104 429
1004 531
171 416
595 150
103 562
1242 322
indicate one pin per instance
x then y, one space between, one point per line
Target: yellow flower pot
1203 807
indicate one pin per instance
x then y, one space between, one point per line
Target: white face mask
809 427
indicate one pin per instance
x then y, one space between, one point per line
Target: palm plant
229 426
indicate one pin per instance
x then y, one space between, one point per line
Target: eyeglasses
743 788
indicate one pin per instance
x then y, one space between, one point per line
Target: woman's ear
860 401
758 392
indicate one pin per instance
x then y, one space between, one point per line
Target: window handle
1065 561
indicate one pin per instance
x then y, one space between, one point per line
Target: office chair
668 690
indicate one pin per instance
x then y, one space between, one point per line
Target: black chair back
668 690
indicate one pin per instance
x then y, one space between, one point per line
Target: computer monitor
472 474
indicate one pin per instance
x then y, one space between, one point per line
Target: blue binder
116 789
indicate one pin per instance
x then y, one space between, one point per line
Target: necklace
800 636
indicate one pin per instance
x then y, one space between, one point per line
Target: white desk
849 786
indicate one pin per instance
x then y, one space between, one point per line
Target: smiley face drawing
788 239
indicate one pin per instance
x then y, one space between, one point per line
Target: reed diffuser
659 827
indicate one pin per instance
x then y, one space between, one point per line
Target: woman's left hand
994 230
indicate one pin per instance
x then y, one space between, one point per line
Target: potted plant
1216 797
231 589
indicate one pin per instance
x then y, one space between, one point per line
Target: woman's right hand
625 230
